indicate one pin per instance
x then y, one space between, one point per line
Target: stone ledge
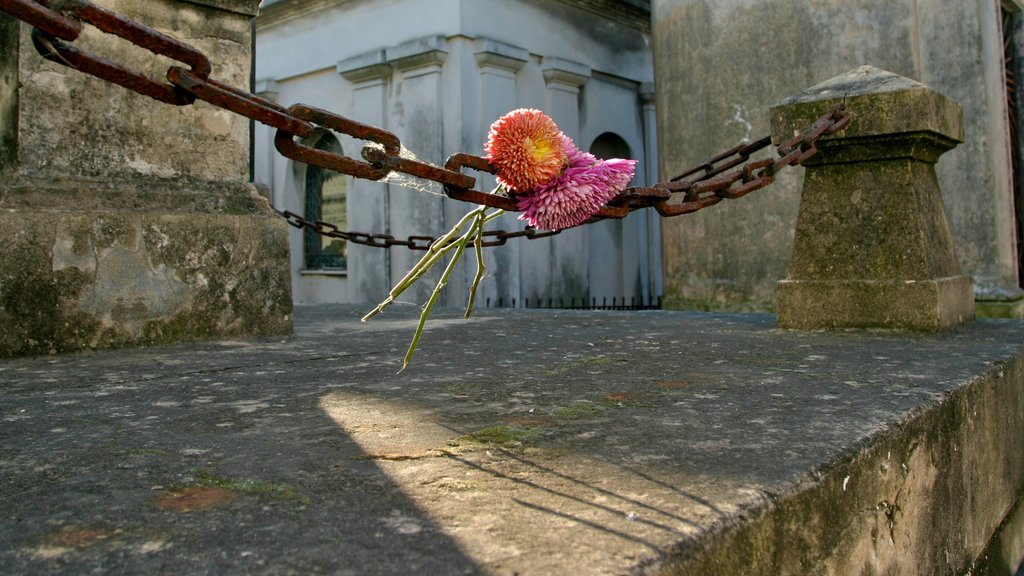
1000 308
133 194
532 442
76 279
895 304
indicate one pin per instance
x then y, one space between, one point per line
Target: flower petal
525 146
578 193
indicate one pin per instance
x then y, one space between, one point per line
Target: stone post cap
879 103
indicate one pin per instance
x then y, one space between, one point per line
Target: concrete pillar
569 255
128 221
873 247
368 267
498 64
719 66
418 118
654 287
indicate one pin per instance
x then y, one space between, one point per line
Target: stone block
98 279
873 247
128 221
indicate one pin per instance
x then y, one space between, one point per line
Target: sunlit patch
387 430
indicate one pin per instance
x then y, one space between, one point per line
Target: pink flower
525 146
576 194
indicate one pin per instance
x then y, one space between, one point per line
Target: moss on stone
35 301
579 410
206 479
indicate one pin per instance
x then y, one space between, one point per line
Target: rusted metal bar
285 142
239 102
53 47
40 16
419 169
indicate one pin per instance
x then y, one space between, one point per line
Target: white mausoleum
437 73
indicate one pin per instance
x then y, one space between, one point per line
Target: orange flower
525 146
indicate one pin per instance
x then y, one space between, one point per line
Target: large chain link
57 23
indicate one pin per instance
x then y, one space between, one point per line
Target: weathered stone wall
922 501
8 92
128 221
722 64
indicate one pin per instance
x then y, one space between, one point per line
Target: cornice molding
285 10
565 72
491 53
633 13
367 66
428 51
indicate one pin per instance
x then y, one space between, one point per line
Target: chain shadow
196 459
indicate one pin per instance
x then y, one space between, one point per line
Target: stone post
873 247
127 221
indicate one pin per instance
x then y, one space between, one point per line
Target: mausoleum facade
437 73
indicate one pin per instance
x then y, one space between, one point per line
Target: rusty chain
58 23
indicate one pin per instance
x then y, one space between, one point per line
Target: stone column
128 221
368 267
652 221
873 247
569 254
418 118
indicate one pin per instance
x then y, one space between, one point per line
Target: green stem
437 250
478 247
460 248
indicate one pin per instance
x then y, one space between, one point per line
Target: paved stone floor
518 442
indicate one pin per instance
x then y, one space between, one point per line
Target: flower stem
437 250
450 242
478 247
460 247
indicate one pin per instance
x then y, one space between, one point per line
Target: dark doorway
1013 36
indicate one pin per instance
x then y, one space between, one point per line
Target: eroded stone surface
873 247
530 442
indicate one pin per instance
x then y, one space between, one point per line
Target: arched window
610 145
326 200
608 266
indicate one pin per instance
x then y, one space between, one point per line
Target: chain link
56 23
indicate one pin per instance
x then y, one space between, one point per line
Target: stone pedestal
873 247
127 221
